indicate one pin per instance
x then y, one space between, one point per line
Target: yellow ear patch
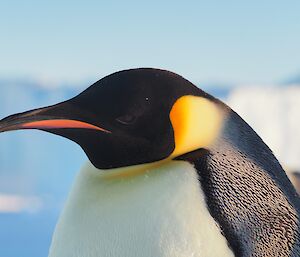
196 122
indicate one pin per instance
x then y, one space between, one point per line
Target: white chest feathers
158 213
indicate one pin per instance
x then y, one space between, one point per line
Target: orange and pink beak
37 120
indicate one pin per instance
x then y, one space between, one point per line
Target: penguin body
176 173
249 194
161 212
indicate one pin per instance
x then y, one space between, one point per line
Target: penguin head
131 117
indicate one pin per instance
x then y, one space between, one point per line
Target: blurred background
246 53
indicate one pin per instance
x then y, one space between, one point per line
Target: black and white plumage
173 172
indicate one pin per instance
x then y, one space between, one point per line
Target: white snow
17 203
273 112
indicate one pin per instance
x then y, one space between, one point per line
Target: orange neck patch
196 122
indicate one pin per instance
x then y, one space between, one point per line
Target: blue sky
222 41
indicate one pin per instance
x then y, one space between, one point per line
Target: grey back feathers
249 194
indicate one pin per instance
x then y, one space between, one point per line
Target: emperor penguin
172 172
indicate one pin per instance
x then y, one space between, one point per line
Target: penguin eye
126 119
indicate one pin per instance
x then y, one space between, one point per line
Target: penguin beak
45 119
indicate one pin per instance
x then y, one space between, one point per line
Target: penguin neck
249 194
161 212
